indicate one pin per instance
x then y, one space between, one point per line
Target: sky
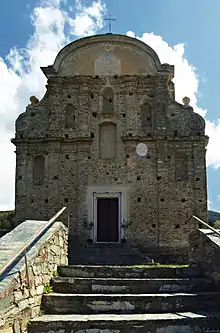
183 33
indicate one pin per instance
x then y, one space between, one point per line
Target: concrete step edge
72 279
165 295
128 317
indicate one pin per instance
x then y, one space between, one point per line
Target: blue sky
185 33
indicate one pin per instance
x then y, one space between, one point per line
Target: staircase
113 299
100 254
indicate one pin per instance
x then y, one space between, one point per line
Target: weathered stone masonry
20 301
105 94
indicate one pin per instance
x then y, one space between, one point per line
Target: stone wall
205 253
18 302
64 156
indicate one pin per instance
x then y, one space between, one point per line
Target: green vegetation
6 219
217 224
55 274
213 217
48 288
41 313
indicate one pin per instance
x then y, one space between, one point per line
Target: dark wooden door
107 220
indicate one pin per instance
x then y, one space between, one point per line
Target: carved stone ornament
195 122
34 100
186 101
107 64
108 47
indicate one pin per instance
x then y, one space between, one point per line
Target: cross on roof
110 19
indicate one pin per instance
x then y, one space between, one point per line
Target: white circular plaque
141 149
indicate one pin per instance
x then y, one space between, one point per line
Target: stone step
127 272
128 285
129 303
121 259
102 254
188 322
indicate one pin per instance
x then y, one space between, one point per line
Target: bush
6 219
211 223
217 224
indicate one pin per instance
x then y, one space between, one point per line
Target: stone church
79 147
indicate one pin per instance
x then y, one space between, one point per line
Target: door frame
106 195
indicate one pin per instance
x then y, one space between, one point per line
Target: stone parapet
205 253
19 300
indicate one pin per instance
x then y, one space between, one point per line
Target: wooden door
107 220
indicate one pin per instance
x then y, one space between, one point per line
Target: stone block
18 295
39 290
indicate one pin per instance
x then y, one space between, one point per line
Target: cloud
186 80
213 152
209 204
186 84
88 20
20 74
55 25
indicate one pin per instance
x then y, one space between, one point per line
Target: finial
186 101
34 100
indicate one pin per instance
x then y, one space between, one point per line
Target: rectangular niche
107 140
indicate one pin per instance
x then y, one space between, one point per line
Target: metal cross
109 19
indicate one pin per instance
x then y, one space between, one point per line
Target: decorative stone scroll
34 100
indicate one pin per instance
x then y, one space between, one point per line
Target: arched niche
108 101
107 140
69 119
38 169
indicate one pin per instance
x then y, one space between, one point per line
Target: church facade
79 147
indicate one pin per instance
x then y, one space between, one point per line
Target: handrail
23 250
207 225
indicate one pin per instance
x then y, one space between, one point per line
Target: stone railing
205 253
22 286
